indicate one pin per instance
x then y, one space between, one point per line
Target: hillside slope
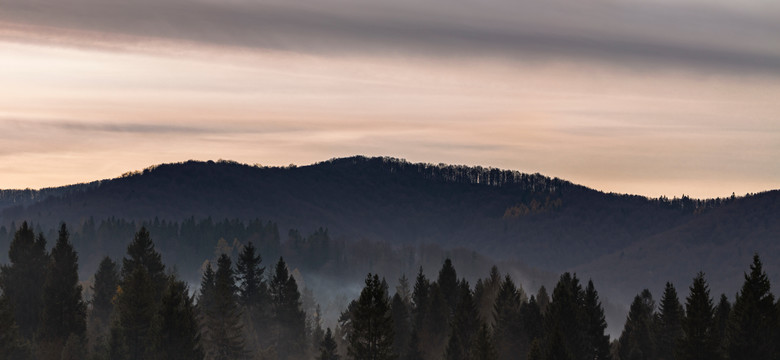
534 225
721 243
544 222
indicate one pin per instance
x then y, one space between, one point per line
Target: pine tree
596 326
508 333
288 317
64 310
328 348
669 329
752 328
12 345
372 328
464 321
28 257
637 342
482 347
223 335
697 342
177 334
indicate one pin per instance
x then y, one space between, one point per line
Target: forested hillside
544 222
338 219
245 310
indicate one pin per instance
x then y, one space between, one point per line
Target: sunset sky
651 97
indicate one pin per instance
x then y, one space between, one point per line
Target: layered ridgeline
382 206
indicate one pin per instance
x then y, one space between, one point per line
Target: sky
651 97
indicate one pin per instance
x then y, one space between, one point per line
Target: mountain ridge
512 214
547 224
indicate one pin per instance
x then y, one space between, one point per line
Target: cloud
691 35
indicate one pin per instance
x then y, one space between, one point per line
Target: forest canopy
245 308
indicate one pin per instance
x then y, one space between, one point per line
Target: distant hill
545 222
720 242
624 242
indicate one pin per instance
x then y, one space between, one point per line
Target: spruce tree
485 292
253 297
73 348
138 298
12 345
752 328
176 329
206 296
433 331
669 329
328 347
508 334
372 328
414 352
223 335
543 299
404 290
482 347
252 288
64 310
117 346
532 318
596 325
402 325
464 321
556 347
566 315
141 253
103 290
697 342
535 353
722 312
28 257
637 341
420 298
289 320
448 285
317 334
136 307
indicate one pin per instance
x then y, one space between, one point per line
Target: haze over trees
545 224
199 271
239 312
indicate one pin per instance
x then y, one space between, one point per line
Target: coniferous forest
248 308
